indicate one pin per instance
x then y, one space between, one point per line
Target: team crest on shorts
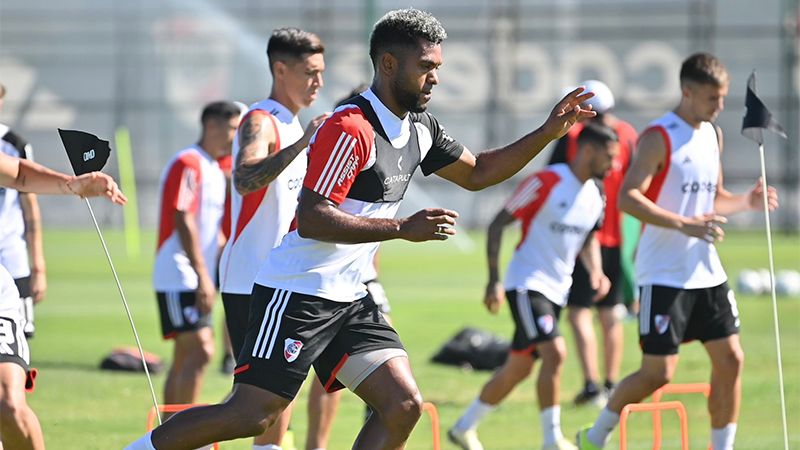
291 349
545 323
662 323
192 314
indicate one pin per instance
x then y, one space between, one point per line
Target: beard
406 97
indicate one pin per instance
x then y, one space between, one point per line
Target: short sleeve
338 152
444 150
531 195
182 186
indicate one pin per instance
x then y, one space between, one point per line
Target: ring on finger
440 229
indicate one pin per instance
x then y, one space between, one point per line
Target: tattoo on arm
256 166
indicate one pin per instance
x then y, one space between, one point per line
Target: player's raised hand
704 227
96 184
432 224
495 297
312 128
755 197
567 112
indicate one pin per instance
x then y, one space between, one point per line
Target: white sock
600 433
143 443
266 447
473 415
551 424
722 438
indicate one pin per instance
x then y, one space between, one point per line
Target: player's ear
279 69
388 64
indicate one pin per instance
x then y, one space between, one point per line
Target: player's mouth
426 95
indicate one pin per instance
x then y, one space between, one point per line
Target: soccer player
19 424
674 186
21 231
306 304
580 297
269 166
192 199
560 209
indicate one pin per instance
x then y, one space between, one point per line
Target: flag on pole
757 116
87 153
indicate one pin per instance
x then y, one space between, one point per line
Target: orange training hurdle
677 388
656 408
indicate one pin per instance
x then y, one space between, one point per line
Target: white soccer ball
787 283
749 283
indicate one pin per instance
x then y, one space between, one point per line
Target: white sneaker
467 440
561 444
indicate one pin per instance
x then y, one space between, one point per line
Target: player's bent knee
402 416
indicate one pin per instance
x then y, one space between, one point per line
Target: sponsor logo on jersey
291 349
687 160
399 161
693 187
349 169
545 324
662 323
295 183
564 228
191 314
396 179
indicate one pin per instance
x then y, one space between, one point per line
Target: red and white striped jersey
261 219
362 158
686 185
557 212
192 182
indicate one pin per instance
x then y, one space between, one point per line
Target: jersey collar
397 130
279 111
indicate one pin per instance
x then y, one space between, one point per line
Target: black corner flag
757 116
87 153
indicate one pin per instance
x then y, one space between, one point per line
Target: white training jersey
687 186
192 182
13 247
259 220
557 212
10 303
361 158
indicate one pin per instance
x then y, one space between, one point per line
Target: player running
674 187
560 209
19 424
306 306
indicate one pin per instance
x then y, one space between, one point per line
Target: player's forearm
327 223
726 203
33 230
32 177
495 166
637 205
493 243
250 176
590 255
189 236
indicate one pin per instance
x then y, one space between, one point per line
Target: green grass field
435 290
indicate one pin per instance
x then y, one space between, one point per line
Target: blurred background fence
150 65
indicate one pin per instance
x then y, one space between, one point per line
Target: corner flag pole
757 117
88 153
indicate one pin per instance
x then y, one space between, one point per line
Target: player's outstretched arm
476 172
320 218
27 176
495 294
726 203
258 162
649 159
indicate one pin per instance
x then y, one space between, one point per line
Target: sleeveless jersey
686 185
362 158
557 212
13 247
10 303
191 182
261 219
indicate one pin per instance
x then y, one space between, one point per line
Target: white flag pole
128 310
774 299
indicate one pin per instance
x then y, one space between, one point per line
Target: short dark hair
704 68
290 44
401 30
354 93
221 110
595 133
